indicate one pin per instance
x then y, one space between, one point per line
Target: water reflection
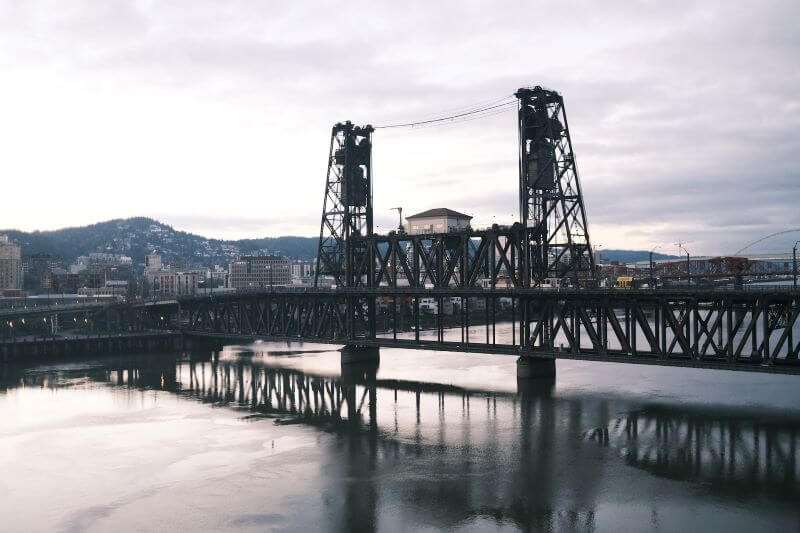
458 458
728 451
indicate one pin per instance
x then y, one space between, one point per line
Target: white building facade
166 283
439 220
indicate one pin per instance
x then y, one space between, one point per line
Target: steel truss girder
322 316
736 330
458 259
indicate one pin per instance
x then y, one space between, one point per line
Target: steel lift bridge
392 290
495 279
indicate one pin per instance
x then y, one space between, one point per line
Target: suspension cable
468 118
450 117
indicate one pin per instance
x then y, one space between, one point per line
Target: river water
274 436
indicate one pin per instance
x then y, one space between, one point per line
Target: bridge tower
347 205
550 199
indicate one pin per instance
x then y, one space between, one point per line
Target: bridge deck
733 329
750 330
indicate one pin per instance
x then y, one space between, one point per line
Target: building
10 265
94 276
258 272
152 262
439 220
431 306
37 271
302 269
64 281
217 278
94 292
166 283
302 272
110 259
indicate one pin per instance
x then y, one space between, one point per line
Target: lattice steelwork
736 330
490 258
551 202
347 206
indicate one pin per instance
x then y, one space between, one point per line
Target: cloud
215 117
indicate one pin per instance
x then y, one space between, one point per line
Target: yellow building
624 282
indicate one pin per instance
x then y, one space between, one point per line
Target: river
274 436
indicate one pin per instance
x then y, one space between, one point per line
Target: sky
215 117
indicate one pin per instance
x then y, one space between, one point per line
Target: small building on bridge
439 220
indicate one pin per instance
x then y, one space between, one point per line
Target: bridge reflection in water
730 451
503 457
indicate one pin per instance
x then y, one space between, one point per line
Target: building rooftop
439 212
270 257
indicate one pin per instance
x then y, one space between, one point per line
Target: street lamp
652 278
794 264
688 264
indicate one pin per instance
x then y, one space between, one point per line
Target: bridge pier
536 387
354 353
362 373
536 367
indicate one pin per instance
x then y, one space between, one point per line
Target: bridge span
725 329
734 330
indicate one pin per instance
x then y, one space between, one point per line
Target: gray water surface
281 437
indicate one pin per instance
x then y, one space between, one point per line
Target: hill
631 256
136 237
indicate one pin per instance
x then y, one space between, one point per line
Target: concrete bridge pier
536 367
355 353
362 373
536 387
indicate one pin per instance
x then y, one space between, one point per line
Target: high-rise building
258 272
10 264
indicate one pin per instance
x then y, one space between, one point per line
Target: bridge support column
354 353
536 367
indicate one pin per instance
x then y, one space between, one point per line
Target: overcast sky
215 117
